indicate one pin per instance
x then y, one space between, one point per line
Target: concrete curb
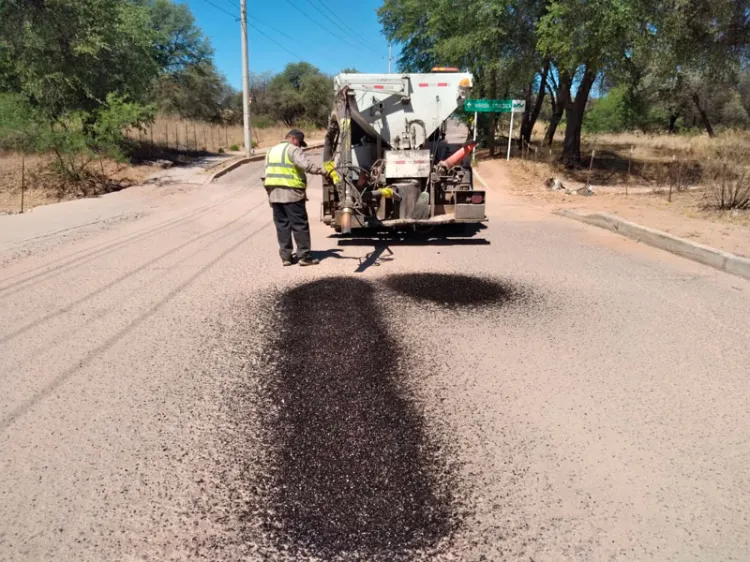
219 164
242 160
723 261
475 173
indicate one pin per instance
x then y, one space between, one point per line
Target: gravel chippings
448 318
330 446
351 470
453 291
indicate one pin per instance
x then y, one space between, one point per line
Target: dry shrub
730 188
663 161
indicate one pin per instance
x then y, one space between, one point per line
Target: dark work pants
292 218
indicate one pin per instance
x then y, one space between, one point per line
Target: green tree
189 85
68 55
301 92
179 42
608 113
733 113
586 39
495 40
197 91
699 49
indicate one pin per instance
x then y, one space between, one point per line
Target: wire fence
189 136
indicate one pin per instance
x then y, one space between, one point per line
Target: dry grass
199 136
645 161
658 179
178 141
42 185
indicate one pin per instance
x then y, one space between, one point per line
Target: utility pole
245 79
390 57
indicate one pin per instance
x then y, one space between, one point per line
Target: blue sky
305 20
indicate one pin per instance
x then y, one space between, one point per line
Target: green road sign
495 106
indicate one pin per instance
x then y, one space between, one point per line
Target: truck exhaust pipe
346 220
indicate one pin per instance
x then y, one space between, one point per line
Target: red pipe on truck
459 155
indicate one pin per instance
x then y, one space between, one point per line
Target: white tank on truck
393 166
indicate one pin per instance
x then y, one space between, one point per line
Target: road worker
285 180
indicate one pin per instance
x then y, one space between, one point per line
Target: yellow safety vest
281 170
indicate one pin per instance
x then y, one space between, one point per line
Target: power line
345 27
325 6
308 16
263 33
227 12
295 55
342 25
295 39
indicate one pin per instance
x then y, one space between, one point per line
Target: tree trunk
704 116
563 98
571 155
528 125
526 116
673 123
493 116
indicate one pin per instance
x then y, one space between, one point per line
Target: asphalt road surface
541 391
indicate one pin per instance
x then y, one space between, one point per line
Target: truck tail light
477 199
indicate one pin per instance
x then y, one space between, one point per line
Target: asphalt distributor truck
391 166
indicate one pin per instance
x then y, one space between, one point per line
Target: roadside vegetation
91 89
657 92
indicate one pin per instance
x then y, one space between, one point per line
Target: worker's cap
299 135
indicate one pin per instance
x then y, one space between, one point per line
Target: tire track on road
63 377
101 249
49 345
25 328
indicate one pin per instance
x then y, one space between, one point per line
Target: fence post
23 180
591 167
205 141
195 137
226 136
177 137
187 138
151 134
671 178
166 127
630 162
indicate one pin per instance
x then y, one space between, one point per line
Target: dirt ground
685 216
43 187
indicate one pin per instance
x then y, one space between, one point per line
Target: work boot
308 261
286 263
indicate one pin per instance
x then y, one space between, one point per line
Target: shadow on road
374 258
327 254
447 235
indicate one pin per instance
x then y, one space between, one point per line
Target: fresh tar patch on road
340 444
454 290
351 468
